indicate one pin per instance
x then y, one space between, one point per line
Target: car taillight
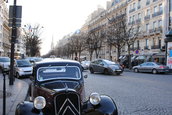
161 67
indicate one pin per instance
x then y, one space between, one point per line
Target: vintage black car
57 88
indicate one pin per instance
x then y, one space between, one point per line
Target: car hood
113 67
6 63
26 68
60 85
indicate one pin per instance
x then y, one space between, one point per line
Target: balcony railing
157 13
132 10
131 23
156 30
138 21
155 47
147 17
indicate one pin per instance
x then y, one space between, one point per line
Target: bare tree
32 40
95 39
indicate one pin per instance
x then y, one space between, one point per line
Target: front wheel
136 70
154 71
18 76
91 70
106 71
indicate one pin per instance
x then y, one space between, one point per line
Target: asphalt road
134 93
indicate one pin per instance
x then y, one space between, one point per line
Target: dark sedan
105 66
152 67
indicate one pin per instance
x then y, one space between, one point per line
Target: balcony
131 23
148 2
147 17
138 7
132 10
146 47
157 13
155 47
138 21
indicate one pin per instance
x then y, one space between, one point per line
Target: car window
109 62
144 64
4 59
23 63
58 72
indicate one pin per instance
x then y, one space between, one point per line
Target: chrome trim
67 100
59 77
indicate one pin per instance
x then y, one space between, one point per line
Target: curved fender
27 108
106 107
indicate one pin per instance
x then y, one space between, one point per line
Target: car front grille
67 103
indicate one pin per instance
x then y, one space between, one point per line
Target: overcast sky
58 17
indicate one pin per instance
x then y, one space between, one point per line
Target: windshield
58 72
23 63
109 62
4 59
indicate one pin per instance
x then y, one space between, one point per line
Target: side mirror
85 76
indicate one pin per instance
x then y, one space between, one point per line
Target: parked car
5 64
152 67
22 68
57 88
85 64
105 66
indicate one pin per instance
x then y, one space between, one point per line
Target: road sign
17 15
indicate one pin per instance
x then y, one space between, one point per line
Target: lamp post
13 39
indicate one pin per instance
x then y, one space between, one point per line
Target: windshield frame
58 78
25 61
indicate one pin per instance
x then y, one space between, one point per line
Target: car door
94 65
150 67
101 66
142 67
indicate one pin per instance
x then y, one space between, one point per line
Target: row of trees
117 33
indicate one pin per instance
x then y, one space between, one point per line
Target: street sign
17 16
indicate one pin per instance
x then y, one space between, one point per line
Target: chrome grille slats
67 103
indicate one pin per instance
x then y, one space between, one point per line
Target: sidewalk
14 94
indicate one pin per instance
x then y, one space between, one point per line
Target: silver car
152 67
5 64
23 68
105 66
85 64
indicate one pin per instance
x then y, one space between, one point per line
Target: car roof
55 61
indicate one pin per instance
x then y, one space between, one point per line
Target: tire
106 71
136 70
91 70
17 75
154 71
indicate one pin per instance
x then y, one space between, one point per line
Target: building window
147 27
139 15
147 43
154 25
134 5
155 9
159 43
153 42
133 18
130 7
160 23
160 8
148 12
138 5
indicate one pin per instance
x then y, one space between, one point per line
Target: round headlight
39 102
95 98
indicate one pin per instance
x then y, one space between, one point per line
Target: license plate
118 70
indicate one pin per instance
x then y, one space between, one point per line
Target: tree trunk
118 53
110 55
129 58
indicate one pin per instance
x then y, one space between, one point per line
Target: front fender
106 107
27 108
